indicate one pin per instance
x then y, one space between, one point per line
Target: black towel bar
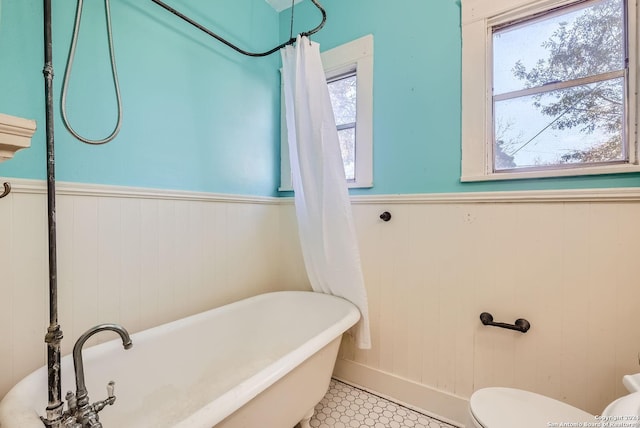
521 324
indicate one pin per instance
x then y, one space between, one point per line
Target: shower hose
67 74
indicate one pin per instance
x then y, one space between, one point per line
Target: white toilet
514 408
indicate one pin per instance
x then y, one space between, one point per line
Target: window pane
577 125
576 42
343 99
348 149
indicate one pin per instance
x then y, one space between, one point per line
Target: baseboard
441 405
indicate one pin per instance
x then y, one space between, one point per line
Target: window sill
570 172
349 185
15 134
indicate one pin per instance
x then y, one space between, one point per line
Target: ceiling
280 5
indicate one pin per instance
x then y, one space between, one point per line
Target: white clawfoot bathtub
265 361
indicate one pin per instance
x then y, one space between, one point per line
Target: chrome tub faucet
81 414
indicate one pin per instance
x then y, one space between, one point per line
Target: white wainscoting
132 256
567 261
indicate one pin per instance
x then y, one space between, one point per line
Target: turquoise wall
197 115
417 90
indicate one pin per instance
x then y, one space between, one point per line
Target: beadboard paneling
23 285
135 257
569 267
7 312
566 261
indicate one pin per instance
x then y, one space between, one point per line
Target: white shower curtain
323 207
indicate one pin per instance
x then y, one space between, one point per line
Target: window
349 71
343 93
546 88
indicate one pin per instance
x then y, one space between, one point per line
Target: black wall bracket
7 190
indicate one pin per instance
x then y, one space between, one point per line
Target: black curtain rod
234 47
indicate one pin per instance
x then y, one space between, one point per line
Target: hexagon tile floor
345 406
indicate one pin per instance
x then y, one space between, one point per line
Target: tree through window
559 88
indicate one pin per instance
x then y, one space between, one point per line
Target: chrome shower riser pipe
54 334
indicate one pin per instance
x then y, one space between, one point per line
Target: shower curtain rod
234 47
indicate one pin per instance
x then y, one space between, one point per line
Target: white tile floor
345 406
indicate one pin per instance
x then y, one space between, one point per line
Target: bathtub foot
304 423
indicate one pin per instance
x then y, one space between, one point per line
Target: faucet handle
99 405
72 401
110 389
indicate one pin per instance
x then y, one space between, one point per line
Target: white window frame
478 19
357 56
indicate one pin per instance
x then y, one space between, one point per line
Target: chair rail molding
15 134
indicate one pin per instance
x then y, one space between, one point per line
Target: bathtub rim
13 403
227 403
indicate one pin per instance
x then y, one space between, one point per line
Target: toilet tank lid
632 382
508 408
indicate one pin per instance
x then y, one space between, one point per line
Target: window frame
355 56
479 17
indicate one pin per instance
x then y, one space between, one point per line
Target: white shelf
15 134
